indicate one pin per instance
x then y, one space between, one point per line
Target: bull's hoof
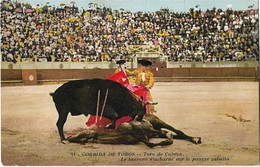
110 126
196 140
139 119
64 141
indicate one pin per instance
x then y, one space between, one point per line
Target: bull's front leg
110 113
112 125
141 114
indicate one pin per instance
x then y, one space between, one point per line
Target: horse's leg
158 124
81 137
149 132
162 143
163 134
117 138
103 138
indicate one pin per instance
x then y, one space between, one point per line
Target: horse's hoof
64 141
169 135
166 142
196 140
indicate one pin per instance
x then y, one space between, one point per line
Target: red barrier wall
11 75
180 72
53 74
160 72
30 77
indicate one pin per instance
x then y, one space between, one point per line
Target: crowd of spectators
97 33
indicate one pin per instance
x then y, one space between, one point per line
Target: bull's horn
151 102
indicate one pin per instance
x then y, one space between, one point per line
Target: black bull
81 97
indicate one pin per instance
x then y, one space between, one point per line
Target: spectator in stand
47 31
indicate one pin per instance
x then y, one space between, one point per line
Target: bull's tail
51 93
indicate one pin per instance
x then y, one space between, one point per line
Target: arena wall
63 65
111 65
37 73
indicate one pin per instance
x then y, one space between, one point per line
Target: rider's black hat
120 62
144 62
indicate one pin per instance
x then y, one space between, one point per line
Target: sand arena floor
30 137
